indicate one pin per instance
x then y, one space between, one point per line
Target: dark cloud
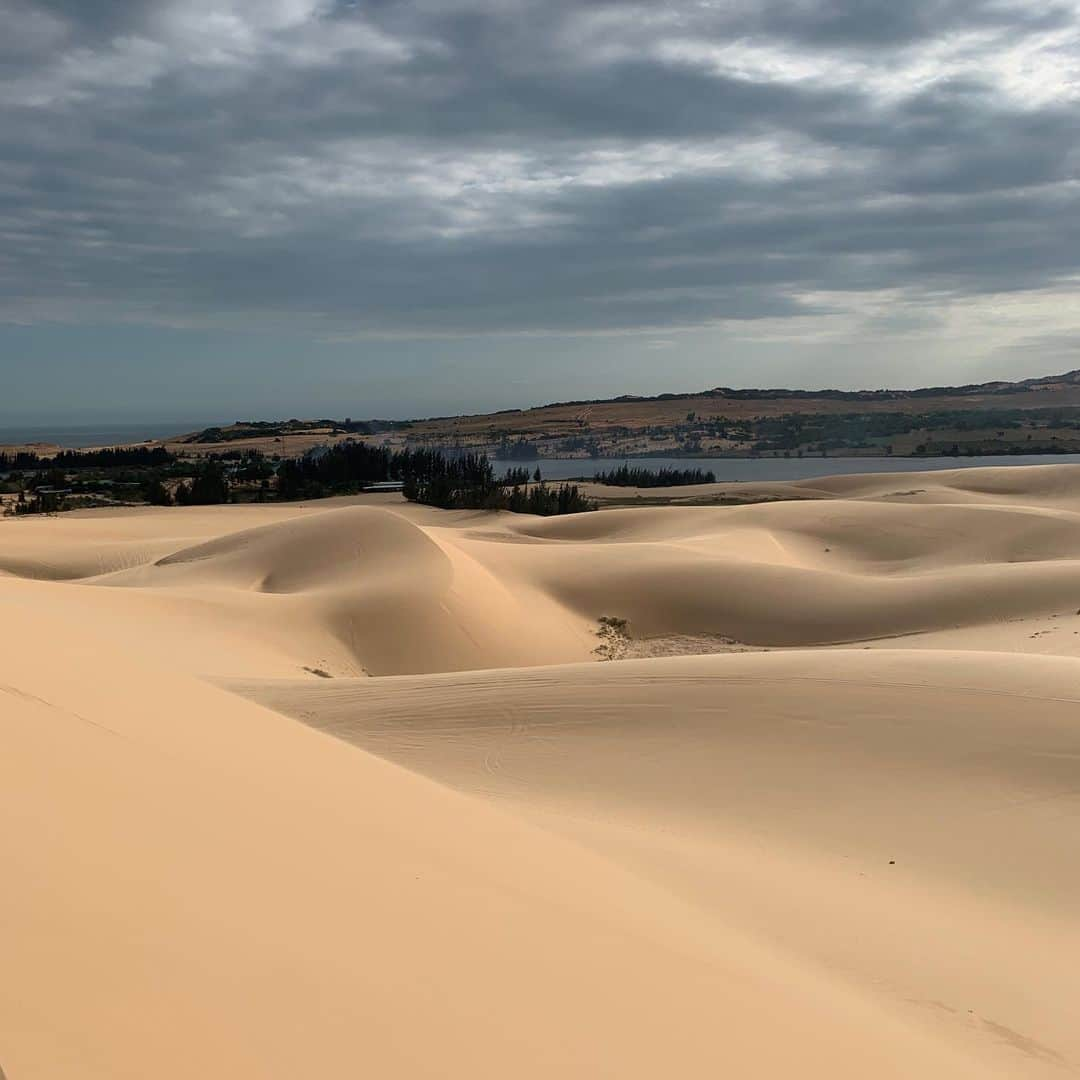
883 24
482 166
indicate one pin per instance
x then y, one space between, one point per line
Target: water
726 469
76 436
779 468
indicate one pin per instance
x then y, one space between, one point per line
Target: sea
76 436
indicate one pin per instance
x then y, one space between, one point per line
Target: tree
208 487
157 494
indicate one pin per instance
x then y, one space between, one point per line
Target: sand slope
507 859
905 819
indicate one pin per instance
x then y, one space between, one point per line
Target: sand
341 788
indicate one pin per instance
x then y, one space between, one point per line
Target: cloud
476 166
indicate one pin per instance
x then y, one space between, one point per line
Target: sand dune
501 857
872 783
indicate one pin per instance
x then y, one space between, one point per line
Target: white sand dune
508 859
906 819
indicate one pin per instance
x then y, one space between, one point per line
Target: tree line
430 477
625 476
114 457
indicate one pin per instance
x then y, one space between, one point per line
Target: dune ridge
499 856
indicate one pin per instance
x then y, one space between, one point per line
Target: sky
252 208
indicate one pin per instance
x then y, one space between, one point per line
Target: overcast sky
406 207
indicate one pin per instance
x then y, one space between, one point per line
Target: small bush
614 635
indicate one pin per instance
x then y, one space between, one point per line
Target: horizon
155 424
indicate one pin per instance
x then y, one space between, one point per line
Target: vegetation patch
614 635
451 482
625 476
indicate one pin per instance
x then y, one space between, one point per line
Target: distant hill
1047 391
1040 415
1066 382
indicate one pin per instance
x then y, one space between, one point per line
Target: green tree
157 494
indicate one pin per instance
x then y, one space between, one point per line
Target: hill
1040 415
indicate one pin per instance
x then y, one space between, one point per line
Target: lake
780 468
